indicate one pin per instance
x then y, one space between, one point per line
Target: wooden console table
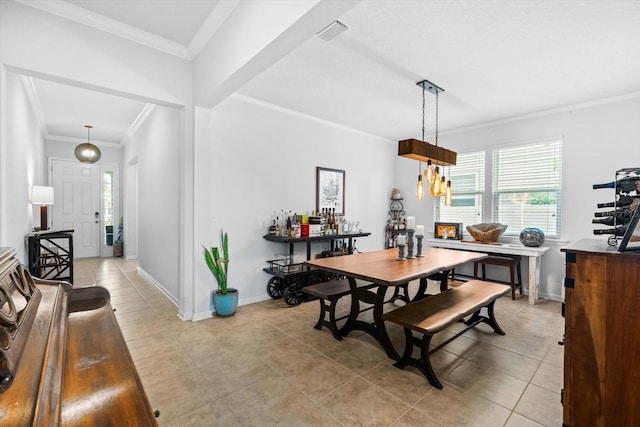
534 255
51 255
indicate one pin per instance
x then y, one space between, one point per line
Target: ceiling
496 60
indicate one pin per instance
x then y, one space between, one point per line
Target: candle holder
401 256
419 250
410 254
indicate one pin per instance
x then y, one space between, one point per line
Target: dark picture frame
453 230
330 189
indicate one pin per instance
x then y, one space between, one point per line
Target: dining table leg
376 329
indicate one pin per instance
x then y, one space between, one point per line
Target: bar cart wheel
275 287
293 294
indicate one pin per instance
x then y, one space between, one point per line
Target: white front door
76 206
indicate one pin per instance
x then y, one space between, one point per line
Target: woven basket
487 231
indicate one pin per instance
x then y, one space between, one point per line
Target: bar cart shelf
51 254
290 277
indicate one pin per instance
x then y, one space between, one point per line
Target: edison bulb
419 188
448 195
436 186
443 186
428 172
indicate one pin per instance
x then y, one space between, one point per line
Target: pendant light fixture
86 152
433 155
422 150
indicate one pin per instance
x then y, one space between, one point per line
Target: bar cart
289 277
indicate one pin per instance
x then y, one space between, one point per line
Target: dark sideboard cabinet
602 336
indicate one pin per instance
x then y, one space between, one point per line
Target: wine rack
396 221
618 213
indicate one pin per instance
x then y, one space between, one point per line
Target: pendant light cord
423 114
437 93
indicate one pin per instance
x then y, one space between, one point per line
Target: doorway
76 188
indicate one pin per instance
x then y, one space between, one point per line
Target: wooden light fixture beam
422 150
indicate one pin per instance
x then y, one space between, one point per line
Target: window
467 182
526 187
108 207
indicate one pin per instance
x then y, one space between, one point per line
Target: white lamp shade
41 195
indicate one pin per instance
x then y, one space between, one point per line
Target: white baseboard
158 285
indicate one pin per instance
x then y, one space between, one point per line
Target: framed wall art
330 189
448 230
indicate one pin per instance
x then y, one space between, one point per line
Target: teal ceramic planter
224 304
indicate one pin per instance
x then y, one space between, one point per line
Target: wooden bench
435 313
332 291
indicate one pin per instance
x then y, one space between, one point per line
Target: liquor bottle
622 201
623 185
612 220
272 228
624 212
277 230
617 231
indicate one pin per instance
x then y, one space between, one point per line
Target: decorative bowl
532 237
487 231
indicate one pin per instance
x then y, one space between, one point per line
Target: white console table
534 255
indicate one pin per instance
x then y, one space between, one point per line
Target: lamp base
43 218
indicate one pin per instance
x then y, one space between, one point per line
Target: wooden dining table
385 270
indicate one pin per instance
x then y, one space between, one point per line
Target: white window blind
467 183
526 187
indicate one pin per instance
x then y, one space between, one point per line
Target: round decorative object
532 237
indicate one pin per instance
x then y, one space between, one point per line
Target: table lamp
42 196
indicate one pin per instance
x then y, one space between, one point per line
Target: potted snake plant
224 300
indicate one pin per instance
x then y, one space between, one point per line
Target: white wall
597 141
156 145
22 167
262 159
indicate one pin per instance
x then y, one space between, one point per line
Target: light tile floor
268 366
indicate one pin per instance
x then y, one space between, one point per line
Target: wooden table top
381 267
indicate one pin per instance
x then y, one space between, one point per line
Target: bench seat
332 291
437 312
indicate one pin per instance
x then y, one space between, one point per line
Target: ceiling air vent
331 30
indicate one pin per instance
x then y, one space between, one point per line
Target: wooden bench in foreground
332 292
435 313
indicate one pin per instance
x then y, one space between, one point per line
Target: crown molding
128 135
76 141
557 110
101 22
306 116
